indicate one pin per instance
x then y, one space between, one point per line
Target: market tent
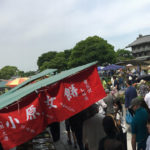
32 78
100 68
54 99
112 67
16 82
12 97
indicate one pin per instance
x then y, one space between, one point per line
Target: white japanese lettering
31 112
50 101
12 121
71 92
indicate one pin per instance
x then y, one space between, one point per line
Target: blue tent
100 68
113 67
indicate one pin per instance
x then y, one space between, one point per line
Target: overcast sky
29 28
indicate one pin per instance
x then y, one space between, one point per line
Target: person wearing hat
138 125
109 102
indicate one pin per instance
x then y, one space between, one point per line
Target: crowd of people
103 126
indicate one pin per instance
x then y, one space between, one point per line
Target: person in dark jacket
1 148
130 93
77 120
55 131
116 83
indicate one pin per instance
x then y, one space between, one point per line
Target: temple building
141 46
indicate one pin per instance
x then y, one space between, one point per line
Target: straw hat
142 81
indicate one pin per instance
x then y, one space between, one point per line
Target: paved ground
129 139
63 145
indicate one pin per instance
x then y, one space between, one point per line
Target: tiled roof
140 40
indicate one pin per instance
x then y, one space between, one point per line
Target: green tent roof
2 84
35 77
20 93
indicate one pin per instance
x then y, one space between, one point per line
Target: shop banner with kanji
30 116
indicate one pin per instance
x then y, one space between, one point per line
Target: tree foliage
86 51
46 57
8 71
26 74
92 49
59 61
123 54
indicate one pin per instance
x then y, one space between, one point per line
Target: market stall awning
112 67
16 82
3 83
31 79
7 99
29 110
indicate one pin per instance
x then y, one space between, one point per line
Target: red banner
23 121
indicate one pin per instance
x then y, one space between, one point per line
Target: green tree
8 71
28 73
123 54
92 49
46 57
58 62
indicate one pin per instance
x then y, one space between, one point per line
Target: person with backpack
138 125
130 93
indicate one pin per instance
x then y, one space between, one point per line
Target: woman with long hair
112 133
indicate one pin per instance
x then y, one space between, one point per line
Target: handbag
129 117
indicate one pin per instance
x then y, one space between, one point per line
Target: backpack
129 117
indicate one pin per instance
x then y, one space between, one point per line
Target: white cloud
30 28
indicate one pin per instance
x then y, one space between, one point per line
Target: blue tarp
113 67
100 68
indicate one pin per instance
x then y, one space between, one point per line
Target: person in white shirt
147 99
102 105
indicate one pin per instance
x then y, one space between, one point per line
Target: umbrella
112 67
129 65
16 82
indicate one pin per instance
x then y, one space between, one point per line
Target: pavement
63 145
